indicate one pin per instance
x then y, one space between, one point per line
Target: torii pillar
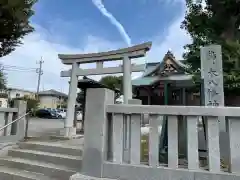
125 54
127 80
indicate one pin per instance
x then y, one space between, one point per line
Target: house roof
52 92
18 89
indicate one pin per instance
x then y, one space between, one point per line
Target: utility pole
39 71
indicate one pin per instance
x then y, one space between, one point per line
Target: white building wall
14 92
48 102
3 102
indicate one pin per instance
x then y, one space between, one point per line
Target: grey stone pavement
44 127
41 130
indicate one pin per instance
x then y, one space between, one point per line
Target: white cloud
34 46
38 44
174 40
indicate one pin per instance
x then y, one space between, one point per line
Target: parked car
45 113
61 112
55 111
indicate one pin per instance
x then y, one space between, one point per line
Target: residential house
3 99
18 93
52 99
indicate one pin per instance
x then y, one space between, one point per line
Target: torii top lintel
132 52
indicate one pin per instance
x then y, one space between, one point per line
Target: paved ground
50 127
39 127
42 129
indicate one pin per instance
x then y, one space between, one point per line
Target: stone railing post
95 130
18 128
127 131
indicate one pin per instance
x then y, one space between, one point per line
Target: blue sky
142 20
77 26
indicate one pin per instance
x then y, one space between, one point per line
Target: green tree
2 80
32 104
214 22
14 23
80 98
112 82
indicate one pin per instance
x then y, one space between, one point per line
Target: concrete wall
2 121
15 131
140 172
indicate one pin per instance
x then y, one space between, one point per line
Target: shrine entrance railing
104 141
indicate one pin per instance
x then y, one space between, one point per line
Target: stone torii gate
125 54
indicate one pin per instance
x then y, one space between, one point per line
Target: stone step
79 176
17 174
74 162
48 169
52 148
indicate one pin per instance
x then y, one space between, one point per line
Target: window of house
0 103
17 95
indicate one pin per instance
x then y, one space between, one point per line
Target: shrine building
166 83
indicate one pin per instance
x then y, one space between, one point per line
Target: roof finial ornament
170 54
169 51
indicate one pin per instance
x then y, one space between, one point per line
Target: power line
22 69
17 67
19 70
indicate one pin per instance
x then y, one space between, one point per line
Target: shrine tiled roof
154 67
147 81
144 81
169 69
150 67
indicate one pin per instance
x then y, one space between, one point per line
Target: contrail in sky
99 4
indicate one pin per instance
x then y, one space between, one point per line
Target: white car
61 113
